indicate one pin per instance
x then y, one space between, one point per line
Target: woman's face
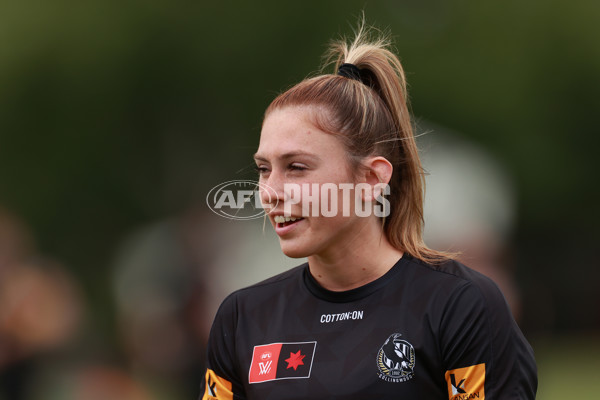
293 153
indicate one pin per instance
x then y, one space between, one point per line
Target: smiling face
293 150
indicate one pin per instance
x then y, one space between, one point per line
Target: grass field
568 367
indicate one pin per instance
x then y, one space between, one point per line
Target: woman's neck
355 263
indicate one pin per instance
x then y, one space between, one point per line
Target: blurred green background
117 114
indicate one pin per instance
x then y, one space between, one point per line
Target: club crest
396 359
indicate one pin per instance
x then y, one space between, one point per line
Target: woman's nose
272 191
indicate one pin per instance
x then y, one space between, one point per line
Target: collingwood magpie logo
396 360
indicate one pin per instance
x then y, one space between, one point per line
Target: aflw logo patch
466 383
281 361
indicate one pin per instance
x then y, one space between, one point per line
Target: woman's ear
377 174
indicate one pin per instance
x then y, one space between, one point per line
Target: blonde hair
372 118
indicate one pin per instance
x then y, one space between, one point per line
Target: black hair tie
350 71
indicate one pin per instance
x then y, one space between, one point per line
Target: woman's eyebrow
286 156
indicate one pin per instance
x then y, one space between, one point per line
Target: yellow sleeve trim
217 388
466 383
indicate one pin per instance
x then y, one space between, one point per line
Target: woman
374 314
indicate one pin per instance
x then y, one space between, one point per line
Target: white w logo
265 367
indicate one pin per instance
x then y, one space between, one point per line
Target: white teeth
280 219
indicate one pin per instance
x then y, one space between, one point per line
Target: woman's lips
284 225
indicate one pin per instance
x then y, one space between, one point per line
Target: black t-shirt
418 332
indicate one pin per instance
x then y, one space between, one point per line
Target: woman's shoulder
456 276
475 327
279 279
273 284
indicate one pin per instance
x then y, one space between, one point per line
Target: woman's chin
294 251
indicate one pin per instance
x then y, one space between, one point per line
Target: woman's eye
261 169
297 167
